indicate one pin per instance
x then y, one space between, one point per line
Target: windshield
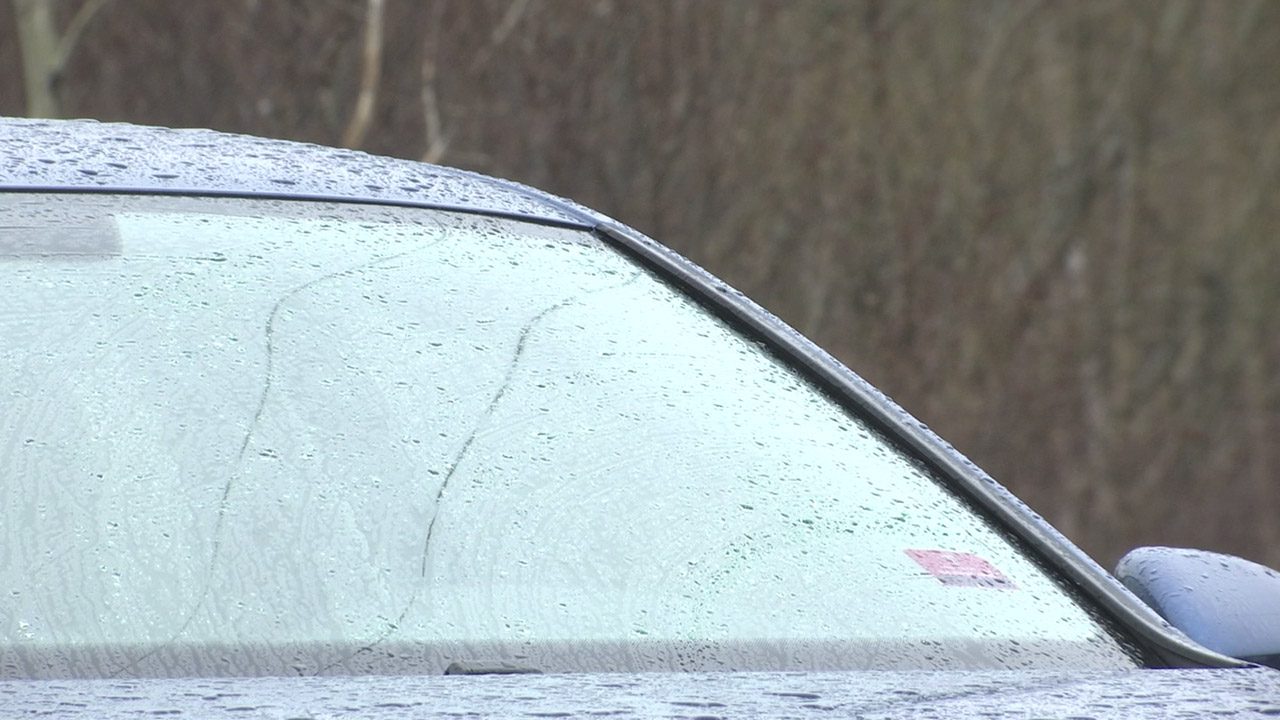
269 437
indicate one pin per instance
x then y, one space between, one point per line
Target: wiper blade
488 667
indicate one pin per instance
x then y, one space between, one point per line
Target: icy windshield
266 437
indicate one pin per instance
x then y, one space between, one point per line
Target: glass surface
263 437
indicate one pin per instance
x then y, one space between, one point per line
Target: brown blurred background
1049 229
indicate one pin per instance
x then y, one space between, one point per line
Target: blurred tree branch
45 51
436 140
501 32
370 76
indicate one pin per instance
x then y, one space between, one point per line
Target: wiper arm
488 667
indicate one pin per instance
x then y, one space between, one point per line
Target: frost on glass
261 438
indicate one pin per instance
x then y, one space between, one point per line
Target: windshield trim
583 222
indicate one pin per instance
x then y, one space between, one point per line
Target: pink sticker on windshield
960 569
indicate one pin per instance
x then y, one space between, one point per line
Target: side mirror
1225 603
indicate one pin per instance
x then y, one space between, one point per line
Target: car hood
1249 692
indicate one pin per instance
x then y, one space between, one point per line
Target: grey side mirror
1225 603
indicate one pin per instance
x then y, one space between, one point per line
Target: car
295 431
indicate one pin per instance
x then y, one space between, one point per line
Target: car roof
85 155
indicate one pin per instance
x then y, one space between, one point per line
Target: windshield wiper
488 667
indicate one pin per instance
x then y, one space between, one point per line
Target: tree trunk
41 63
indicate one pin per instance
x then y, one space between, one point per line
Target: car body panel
1133 695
